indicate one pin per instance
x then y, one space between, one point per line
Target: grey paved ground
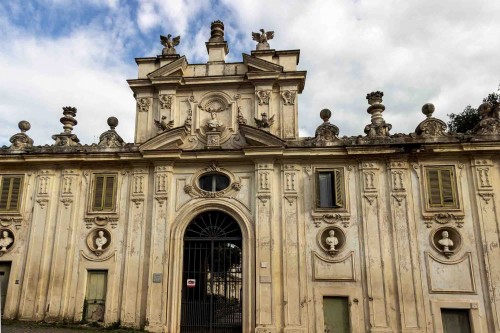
23 327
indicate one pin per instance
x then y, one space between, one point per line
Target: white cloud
40 75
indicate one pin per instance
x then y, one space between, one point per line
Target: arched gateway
212 275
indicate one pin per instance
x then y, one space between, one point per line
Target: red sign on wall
191 283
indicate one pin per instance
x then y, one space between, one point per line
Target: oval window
214 182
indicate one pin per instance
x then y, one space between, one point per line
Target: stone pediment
259 65
175 68
171 139
257 137
177 138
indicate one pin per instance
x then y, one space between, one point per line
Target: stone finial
326 133
262 39
490 119
378 127
216 46
428 109
66 138
111 139
21 141
217 32
431 126
68 119
375 97
112 122
169 44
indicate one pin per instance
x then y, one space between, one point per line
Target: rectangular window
330 189
104 193
336 314
456 321
10 193
441 187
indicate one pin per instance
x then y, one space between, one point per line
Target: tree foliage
469 117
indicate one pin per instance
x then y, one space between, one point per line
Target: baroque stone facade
373 233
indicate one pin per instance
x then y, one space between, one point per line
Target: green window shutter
104 192
4 194
434 187
109 193
15 193
98 192
339 188
447 192
10 193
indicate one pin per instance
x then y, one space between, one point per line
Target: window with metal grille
441 186
330 189
213 182
104 192
10 193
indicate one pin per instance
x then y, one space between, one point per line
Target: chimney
216 46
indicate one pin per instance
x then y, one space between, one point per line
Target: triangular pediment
259 65
175 68
260 138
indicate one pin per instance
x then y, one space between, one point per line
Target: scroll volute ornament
431 126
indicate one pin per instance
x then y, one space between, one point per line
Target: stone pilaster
133 284
145 127
379 276
408 282
63 249
158 259
39 251
266 261
294 261
289 112
489 224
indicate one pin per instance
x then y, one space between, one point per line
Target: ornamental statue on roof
169 44
262 38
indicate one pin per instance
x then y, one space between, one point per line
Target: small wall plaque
157 277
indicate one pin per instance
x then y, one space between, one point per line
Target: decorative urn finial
66 138
217 31
378 127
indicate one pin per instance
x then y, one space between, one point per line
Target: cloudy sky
55 53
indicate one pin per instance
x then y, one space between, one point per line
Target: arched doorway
212 275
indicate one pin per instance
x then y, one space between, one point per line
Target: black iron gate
212 275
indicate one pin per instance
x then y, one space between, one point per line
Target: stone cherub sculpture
262 38
332 241
169 44
163 125
101 240
5 241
